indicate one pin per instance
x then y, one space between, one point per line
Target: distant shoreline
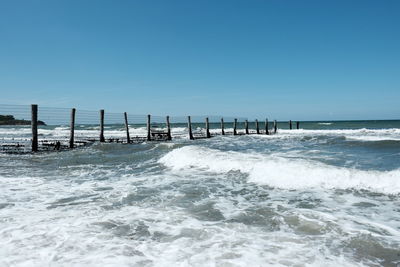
10 120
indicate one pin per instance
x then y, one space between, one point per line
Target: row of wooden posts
167 134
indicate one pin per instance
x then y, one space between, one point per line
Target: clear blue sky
300 60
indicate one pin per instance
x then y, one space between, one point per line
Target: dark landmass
10 120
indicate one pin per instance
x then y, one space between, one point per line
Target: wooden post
34 126
222 126
128 139
190 128
169 136
72 129
246 126
208 135
234 127
257 127
148 128
275 126
290 124
266 127
298 125
102 125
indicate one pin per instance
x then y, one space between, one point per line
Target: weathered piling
157 130
190 128
72 129
102 126
34 126
128 139
257 127
208 135
169 136
148 127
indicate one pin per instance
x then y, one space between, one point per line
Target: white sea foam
362 131
62 132
89 132
67 233
373 138
111 210
372 135
283 173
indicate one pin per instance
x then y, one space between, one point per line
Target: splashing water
309 197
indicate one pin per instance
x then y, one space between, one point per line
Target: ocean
327 194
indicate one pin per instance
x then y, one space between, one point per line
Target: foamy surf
248 200
373 138
360 134
281 172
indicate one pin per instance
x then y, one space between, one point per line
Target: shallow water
308 197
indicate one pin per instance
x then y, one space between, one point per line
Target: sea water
327 194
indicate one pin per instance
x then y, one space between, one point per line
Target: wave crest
281 172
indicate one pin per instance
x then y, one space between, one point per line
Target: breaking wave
280 172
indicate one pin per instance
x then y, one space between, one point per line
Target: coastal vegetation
10 120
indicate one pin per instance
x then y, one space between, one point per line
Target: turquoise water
327 194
